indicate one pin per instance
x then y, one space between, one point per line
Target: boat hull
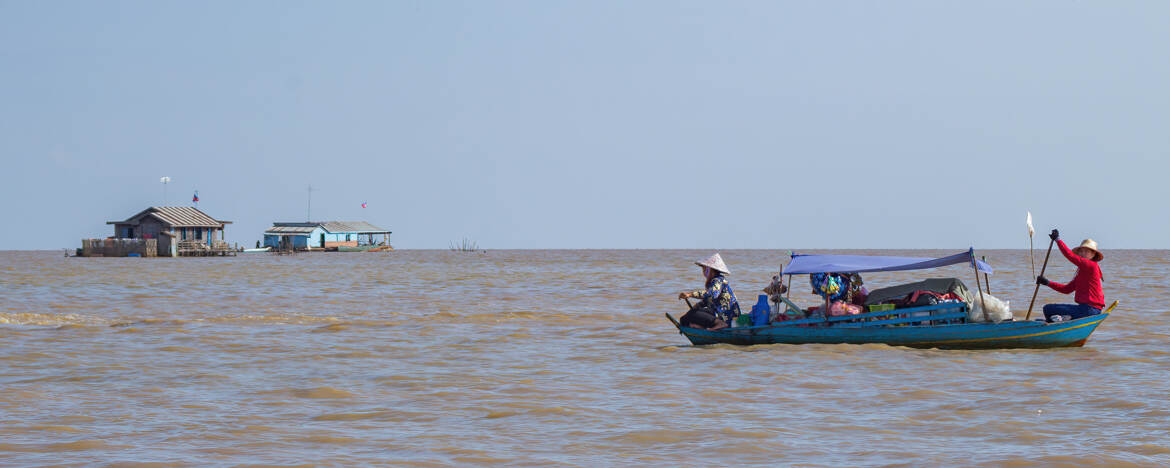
1014 334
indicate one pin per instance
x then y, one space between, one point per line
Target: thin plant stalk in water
466 245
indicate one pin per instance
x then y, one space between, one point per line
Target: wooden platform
198 248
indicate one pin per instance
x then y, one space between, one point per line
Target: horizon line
797 250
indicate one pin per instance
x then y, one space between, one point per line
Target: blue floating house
331 235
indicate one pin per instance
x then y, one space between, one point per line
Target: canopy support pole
788 294
778 297
825 313
982 302
986 277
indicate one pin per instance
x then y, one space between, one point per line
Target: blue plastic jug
761 312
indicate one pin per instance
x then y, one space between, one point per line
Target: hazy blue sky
592 124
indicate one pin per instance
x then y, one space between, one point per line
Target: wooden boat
943 326
258 250
356 248
938 330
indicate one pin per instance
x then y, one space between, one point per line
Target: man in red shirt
1089 297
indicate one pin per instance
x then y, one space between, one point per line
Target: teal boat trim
1008 334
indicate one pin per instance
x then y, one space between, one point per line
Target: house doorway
322 241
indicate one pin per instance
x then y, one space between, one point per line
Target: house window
198 234
347 237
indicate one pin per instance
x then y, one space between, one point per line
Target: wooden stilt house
175 231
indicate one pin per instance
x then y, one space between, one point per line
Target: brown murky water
538 357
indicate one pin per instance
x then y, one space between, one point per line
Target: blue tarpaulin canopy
805 264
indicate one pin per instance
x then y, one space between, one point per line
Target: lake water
540 358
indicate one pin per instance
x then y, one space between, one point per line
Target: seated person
838 290
718 306
857 291
1087 283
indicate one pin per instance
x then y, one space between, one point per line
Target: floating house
331 235
169 231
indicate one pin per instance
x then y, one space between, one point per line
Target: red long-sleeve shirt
1087 282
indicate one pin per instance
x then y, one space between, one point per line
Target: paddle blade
1031 230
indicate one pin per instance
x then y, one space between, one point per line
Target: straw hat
1091 245
715 262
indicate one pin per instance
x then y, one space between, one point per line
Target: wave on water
315 393
74 446
50 320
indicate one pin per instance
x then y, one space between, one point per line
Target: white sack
997 310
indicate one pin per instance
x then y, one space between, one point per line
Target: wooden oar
675 322
790 304
1037 291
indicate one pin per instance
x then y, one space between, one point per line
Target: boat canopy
805 264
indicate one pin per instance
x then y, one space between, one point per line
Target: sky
593 124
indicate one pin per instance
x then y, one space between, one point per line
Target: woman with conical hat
1089 297
717 303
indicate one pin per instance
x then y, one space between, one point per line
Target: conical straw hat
714 262
1091 245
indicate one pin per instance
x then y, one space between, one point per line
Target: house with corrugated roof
327 235
178 230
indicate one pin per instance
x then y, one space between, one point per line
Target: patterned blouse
720 296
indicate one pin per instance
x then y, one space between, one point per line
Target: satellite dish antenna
309 207
165 180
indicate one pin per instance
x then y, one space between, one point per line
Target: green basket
881 307
743 321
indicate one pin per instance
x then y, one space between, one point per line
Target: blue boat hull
1015 334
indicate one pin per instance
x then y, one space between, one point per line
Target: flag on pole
165 181
1031 257
195 198
363 205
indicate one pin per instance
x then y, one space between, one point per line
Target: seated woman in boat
718 306
1089 296
841 290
